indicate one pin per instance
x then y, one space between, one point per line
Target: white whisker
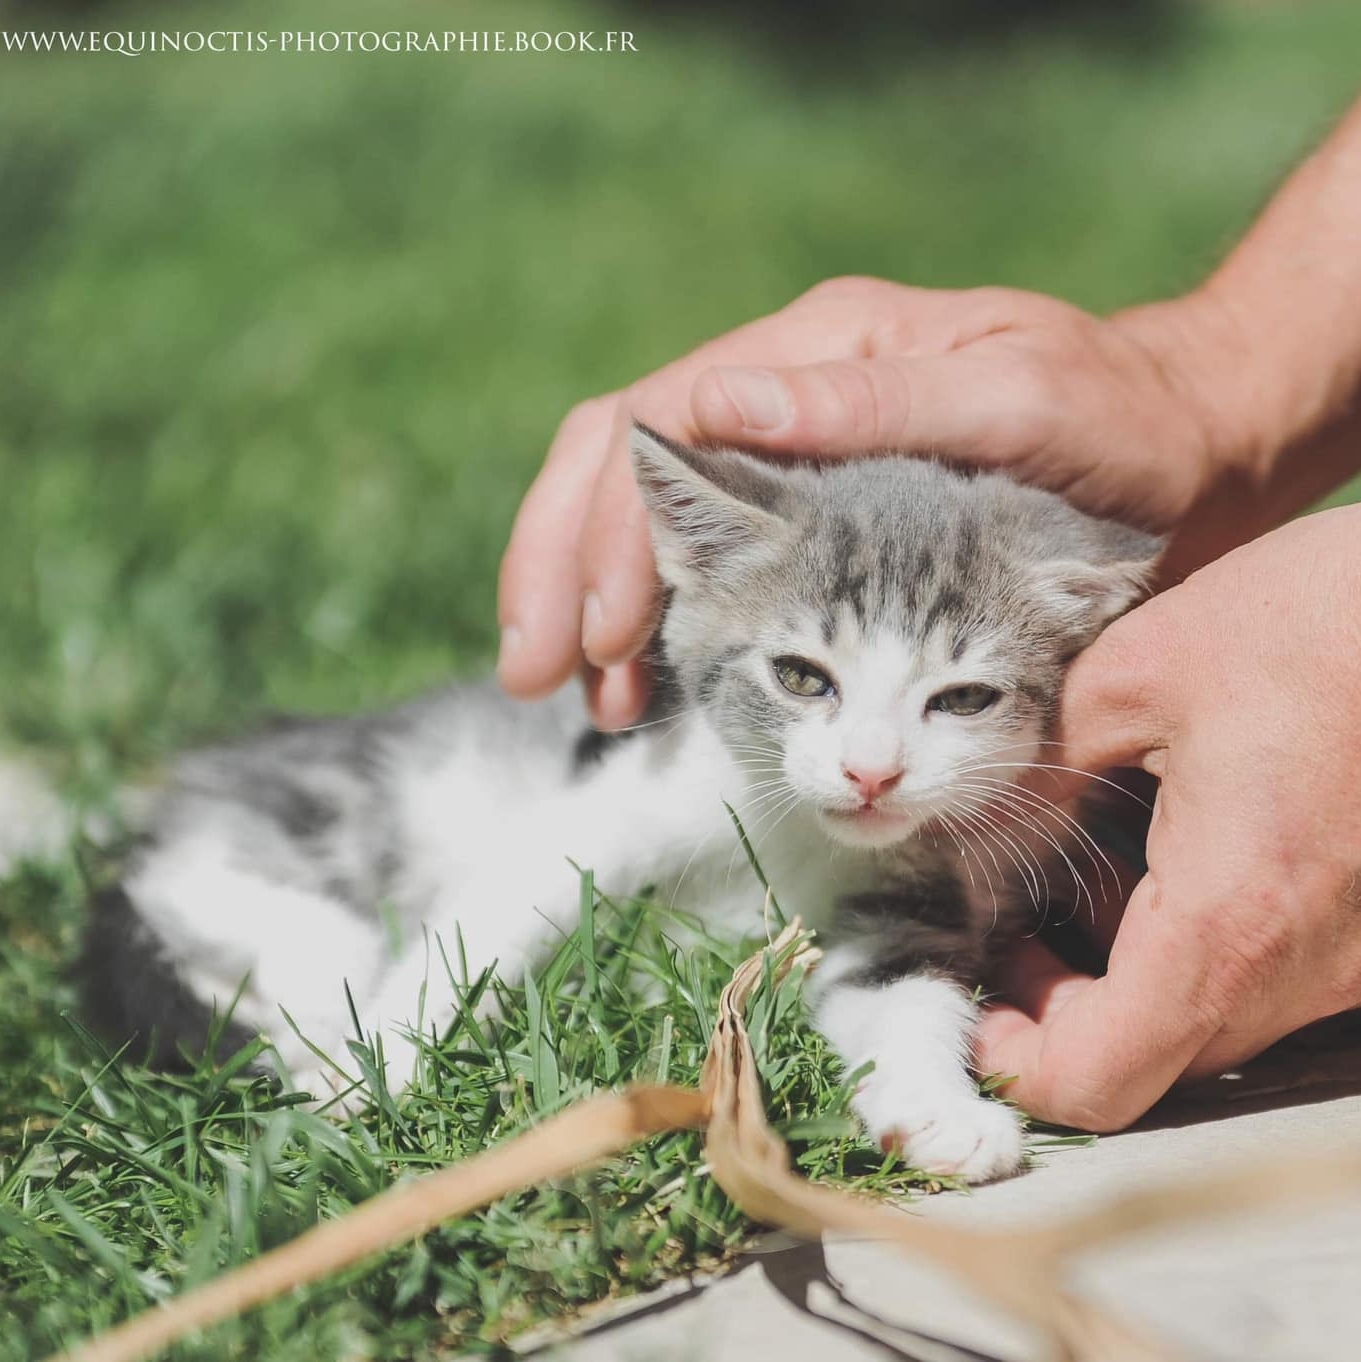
1016 851
1047 766
1091 847
1025 817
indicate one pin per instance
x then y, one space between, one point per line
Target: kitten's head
885 635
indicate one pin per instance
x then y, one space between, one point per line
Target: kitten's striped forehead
877 574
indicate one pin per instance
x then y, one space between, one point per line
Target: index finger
1113 707
1097 1054
539 597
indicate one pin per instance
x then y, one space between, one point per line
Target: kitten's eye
964 699
801 678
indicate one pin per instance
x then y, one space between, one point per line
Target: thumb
1096 1054
957 403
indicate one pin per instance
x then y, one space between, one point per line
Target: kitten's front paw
969 1137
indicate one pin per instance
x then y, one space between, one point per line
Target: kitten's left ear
1112 571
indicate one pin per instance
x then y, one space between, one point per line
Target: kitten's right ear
705 509
1113 571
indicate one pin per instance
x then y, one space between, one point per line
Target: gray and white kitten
862 660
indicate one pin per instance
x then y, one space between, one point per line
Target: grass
283 340
132 1186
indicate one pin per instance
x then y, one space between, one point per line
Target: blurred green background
284 337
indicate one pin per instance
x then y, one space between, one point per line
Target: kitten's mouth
869 814
869 823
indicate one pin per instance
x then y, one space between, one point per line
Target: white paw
960 1135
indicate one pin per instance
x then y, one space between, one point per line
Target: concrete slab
1274 1289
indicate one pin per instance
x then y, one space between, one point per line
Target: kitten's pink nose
872 781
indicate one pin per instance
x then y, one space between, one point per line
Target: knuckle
1018 305
636 397
649 400
1102 1112
1028 425
995 307
854 402
898 333
843 289
1343 988
586 419
997 298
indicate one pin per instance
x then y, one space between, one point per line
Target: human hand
1117 413
1241 691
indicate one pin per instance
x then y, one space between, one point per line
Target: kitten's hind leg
132 991
295 949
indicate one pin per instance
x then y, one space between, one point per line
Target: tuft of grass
120 1187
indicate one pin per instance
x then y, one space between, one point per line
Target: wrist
1272 400
1198 352
1288 370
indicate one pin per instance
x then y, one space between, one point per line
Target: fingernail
761 399
511 642
592 619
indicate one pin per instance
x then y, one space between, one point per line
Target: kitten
861 659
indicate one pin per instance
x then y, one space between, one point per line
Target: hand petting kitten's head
886 635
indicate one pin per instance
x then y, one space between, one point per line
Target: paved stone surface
1280 1288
